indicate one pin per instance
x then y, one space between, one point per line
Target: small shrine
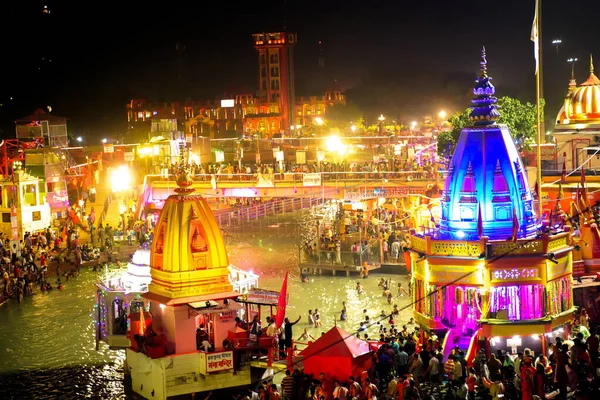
178 347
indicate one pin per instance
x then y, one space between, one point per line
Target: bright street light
381 118
79 139
556 42
104 140
334 144
413 125
442 115
353 128
319 121
121 179
571 60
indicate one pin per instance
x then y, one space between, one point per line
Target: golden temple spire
591 65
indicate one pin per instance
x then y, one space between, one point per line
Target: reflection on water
47 342
269 247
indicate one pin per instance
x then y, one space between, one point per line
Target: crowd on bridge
389 169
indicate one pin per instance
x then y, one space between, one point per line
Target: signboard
547 153
560 269
279 155
258 296
128 156
109 148
312 179
58 199
359 194
189 137
462 274
265 180
227 103
219 156
300 157
14 224
219 361
320 155
515 274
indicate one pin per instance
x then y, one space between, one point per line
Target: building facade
273 109
577 129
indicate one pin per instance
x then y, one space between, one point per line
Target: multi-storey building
272 109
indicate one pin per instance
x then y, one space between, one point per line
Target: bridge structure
349 186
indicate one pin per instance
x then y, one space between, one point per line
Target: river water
47 347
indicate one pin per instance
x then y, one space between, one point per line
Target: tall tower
276 72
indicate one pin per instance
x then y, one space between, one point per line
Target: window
466 214
502 213
36 216
30 194
263 72
264 84
275 84
6 218
274 58
263 58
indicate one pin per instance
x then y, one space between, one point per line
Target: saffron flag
583 203
535 38
561 193
479 223
563 176
282 303
516 225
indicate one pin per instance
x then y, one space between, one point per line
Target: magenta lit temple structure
487 276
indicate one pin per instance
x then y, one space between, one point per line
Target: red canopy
337 343
337 354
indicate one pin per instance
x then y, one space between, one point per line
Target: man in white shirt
271 329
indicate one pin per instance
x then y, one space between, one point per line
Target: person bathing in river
359 288
306 335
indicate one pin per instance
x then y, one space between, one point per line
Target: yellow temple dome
188 257
582 104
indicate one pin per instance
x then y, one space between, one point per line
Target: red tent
338 354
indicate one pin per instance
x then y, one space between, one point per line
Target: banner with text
219 361
312 179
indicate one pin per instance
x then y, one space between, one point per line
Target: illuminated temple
190 289
486 277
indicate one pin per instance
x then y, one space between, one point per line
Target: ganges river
47 347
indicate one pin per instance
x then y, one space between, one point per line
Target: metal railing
236 216
298 177
330 257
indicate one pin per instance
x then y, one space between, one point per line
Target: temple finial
483 64
591 65
572 71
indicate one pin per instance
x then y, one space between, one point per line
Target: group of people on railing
392 169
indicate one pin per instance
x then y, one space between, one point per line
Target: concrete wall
177 375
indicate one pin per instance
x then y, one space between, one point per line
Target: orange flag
282 303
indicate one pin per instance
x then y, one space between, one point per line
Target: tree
447 140
520 118
341 115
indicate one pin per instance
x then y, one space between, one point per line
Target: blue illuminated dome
486 177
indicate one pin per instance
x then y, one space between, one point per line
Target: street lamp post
572 61
381 119
556 42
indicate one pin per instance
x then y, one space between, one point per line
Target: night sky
404 59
